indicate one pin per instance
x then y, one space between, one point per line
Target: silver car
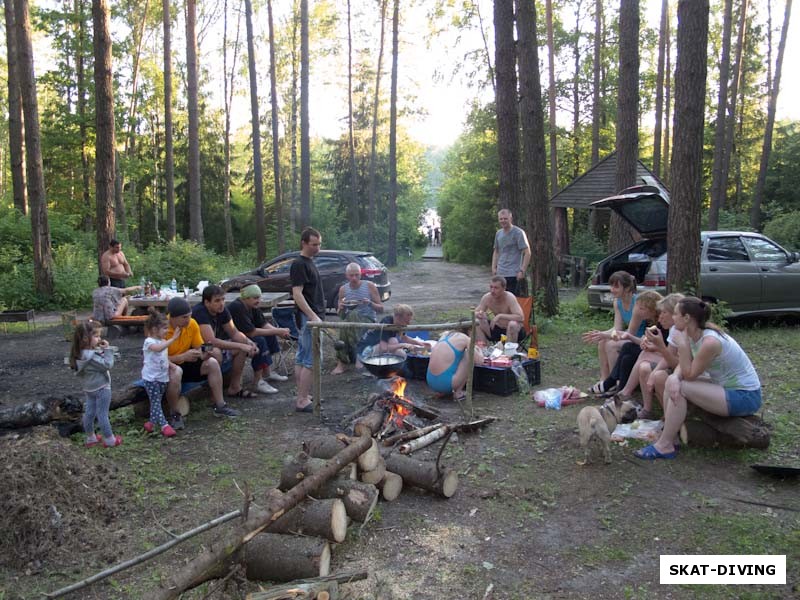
746 270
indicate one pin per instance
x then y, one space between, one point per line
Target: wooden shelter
599 182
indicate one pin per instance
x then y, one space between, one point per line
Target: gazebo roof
599 182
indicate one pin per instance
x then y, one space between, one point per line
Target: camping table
268 300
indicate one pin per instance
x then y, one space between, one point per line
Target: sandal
242 393
650 453
599 388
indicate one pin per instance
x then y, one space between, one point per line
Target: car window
726 249
329 263
281 266
370 262
765 251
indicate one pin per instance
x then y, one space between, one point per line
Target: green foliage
785 229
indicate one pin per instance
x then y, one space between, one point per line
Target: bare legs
303 377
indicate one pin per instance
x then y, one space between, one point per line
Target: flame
399 387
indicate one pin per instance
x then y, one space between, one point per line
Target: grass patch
594 556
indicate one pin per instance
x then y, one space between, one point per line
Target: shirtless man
114 265
499 313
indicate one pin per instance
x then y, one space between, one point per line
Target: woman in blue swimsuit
447 372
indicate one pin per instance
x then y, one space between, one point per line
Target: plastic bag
551 397
523 387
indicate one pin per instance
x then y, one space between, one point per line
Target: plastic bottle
173 285
141 284
147 288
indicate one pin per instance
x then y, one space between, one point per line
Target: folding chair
284 316
529 338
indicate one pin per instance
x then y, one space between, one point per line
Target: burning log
390 486
375 475
320 518
370 423
423 475
302 466
274 557
359 498
205 566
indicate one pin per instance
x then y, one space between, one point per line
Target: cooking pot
384 366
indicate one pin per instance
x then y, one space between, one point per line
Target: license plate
607 298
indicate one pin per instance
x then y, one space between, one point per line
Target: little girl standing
91 358
155 370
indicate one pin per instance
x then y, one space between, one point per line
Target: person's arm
158 347
619 323
340 303
300 301
693 367
375 296
495 256
131 289
526 259
124 263
237 341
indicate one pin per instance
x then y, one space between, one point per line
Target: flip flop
308 408
650 453
598 389
242 393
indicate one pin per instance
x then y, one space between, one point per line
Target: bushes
785 229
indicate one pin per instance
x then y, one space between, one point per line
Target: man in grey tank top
512 252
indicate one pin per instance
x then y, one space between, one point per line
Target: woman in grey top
359 302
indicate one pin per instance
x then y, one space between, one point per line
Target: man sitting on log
499 313
197 362
110 302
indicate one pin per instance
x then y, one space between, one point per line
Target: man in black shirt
249 319
217 329
310 301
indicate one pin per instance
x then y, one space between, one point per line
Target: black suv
273 275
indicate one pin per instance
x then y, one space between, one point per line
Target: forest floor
526 522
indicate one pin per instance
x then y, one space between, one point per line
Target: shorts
191 371
495 333
742 403
304 356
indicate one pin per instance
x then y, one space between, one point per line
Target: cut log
425 440
359 498
41 412
324 446
274 557
423 475
142 409
375 475
390 486
371 459
320 518
370 423
204 566
707 430
302 465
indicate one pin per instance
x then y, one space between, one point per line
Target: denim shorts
742 402
304 355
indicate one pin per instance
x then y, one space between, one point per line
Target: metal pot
384 366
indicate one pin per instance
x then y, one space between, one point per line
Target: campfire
401 409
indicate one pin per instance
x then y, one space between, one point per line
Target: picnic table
268 300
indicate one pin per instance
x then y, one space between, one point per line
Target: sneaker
225 411
264 388
148 427
89 444
177 422
117 442
167 431
277 377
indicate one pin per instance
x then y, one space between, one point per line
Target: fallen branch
425 440
409 435
203 566
270 594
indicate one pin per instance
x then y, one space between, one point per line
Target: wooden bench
121 325
18 316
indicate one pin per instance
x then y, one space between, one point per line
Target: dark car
748 271
273 275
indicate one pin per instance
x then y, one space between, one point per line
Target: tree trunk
169 164
594 221
391 251
627 138
374 137
40 228
551 95
755 211
730 120
662 46
276 163
305 144
81 90
258 174
665 170
351 145
192 67
506 106
683 241
326 519
534 177
228 81
717 197
15 128
293 200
